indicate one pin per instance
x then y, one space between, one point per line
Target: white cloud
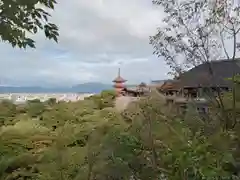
95 37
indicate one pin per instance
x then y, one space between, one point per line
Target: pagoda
119 83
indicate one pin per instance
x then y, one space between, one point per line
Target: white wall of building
23 97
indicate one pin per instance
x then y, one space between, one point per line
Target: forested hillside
89 140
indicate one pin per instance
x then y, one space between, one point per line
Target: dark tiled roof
158 83
169 85
136 89
142 84
201 76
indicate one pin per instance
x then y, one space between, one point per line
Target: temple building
137 91
121 90
201 83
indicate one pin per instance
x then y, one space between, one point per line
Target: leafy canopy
20 18
88 140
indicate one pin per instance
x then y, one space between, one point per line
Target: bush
51 101
35 108
8 112
85 140
104 99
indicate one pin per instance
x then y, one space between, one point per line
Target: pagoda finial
119 71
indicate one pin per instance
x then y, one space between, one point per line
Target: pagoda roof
119 79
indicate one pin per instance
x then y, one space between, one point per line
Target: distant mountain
80 88
91 87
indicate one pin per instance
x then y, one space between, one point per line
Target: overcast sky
95 37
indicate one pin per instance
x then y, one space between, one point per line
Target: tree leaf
22 16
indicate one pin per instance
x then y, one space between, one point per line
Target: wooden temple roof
142 84
169 85
201 76
139 88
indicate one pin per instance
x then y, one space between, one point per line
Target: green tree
174 148
20 18
19 144
35 108
146 141
8 112
104 99
51 101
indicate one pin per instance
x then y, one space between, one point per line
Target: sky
96 38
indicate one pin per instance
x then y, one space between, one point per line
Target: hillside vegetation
90 140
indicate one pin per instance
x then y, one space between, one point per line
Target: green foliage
80 141
21 18
7 112
52 101
35 108
104 99
175 149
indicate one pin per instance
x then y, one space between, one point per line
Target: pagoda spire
119 72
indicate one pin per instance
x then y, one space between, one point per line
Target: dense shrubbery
85 140
104 99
